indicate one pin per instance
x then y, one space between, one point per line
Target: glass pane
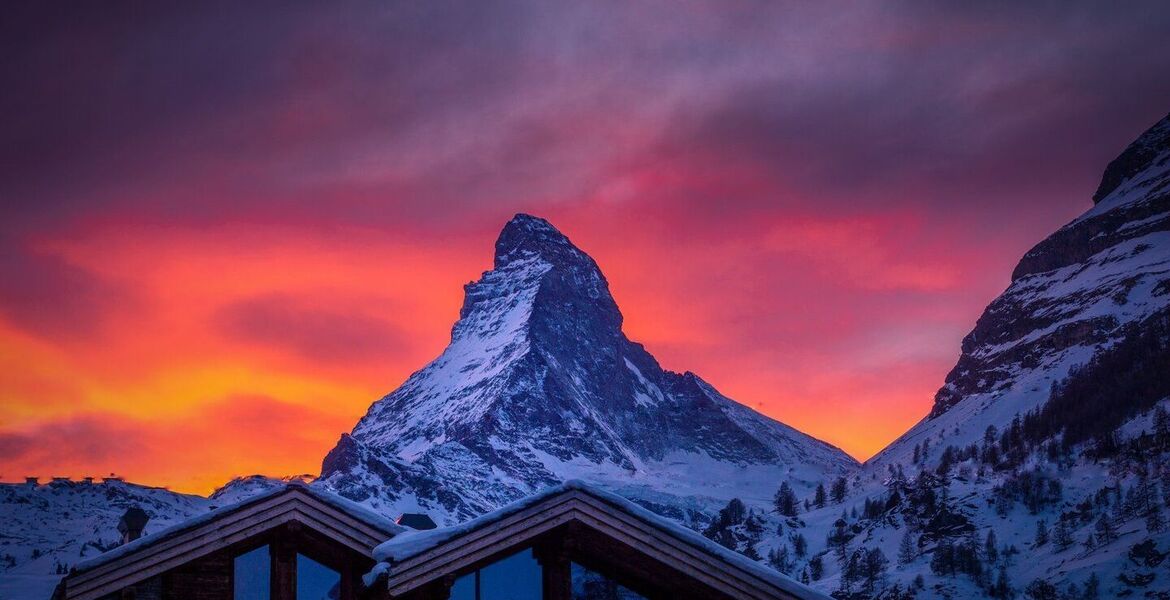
315 581
591 585
514 578
464 588
252 575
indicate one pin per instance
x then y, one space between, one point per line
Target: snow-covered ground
49 527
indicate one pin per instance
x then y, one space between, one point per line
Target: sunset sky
225 231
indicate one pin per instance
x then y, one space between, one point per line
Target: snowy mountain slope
1074 295
49 527
1051 434
540 385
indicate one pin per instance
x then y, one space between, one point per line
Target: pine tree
840 487
946 461
779 560
1106 532
785 500
1161 426
1154 521
819 498
816 567
1041 590
874 569
733 514
906 553
1090 543
1041 533
943 560
851 571
1062 536
1001 589
990 550
799 545
838 538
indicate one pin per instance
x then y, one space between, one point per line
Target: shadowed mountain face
539 384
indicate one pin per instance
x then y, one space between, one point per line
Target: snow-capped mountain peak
539 384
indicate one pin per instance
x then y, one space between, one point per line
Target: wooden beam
555 566
284 568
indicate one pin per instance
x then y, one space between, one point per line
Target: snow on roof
352 508
360 511
413 543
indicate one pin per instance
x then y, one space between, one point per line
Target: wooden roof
350 526
416 559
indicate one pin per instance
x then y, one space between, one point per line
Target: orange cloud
195 451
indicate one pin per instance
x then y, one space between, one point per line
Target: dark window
252 575
315 581
464 588
516 577
591 585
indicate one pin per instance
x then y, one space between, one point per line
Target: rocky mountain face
539 384
1076 295
1050 438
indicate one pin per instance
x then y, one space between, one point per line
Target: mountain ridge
539 383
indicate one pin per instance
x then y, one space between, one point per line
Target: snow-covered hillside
1050 435
48 527
1073 296
540 385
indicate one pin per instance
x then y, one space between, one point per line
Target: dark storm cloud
966 102
116 105
388 111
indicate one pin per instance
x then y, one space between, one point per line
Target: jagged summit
537 272
526 235
540 384
1152 146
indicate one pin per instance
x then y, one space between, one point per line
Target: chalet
292 542
569 542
